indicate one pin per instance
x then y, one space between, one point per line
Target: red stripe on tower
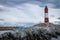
46 9
46 19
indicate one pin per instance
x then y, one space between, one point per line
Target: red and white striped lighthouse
46 19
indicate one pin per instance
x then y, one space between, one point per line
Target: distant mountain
24 24
18 24
7 24
57 22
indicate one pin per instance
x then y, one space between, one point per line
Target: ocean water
56 38
34 29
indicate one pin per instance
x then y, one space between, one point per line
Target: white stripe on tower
46 15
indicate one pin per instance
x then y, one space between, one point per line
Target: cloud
55 2
58 18
18 15
1 19
13 3
27 12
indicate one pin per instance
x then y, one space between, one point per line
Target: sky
28 11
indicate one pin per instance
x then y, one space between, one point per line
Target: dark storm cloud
55 2
9 2
1 19
58 18
2 10
12 2
17 2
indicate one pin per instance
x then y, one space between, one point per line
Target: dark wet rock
58 33
31 34
52 35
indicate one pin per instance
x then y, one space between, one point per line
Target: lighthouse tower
46 18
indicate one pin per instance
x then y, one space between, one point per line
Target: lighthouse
46 18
